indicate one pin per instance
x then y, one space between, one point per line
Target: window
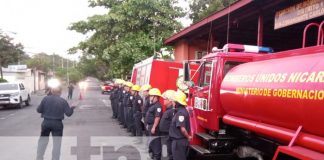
21 86
138 74
205 74
143 74
282 156
200 54
229 65
8 87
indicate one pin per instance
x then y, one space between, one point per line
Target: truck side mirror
186 69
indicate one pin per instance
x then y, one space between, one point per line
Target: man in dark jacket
129 106
121 94
137 111
146 102
52 109
113 99
152 121
70 91
168 97
126 102
180 128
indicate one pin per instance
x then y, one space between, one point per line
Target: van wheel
27 102
19 105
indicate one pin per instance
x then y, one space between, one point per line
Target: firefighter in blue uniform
137 111
152 121
130 115
166 119
120 102
126 102
119 93
113 97
180 128
146 102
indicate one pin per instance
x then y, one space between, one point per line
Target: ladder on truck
320 33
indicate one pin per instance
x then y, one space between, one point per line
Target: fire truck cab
210 138
212 70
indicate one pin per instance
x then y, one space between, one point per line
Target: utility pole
34 69
62 63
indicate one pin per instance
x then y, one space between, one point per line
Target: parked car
107 87
14 94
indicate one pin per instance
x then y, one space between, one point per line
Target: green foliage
61 73
93 67
40 61
9 52
130 32
3 80
46 63
74 74
200 9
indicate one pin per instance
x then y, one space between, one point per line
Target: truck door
202 94
23 91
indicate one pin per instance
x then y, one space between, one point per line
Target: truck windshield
205 74
8 87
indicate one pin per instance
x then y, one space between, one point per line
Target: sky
41 25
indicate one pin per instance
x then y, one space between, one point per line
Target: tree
93 67
45 62
3 80
74 74
9 52
202 8
130 32
40 61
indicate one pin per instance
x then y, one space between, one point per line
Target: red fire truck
250 102
161 74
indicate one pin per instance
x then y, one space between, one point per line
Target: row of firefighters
170 127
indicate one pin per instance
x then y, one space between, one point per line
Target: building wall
41 81
29 83
15 76
32 82
185 50
35 82
181 51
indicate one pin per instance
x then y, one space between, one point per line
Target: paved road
90 131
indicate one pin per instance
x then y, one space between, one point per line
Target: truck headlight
14 94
